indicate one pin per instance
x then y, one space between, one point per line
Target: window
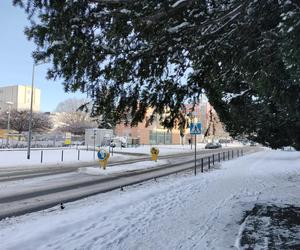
159 137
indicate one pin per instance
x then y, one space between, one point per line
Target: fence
207 161
76 155
52 156
40 141
210 160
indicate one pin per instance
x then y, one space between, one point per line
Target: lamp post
30 116
8 122
31 105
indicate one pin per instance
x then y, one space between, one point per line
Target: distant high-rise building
19 97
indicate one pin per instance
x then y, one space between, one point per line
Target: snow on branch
178 27
181 4
175 8
228 97
177 3
231 14
112 2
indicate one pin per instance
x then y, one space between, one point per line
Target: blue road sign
102 154
195 128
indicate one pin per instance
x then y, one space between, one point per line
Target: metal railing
204 162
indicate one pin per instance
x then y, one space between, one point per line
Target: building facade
212 127
19 98
155 134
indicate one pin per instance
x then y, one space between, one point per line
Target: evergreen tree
129 55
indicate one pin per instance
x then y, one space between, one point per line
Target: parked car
288 148
213 145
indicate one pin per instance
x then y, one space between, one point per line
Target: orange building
155 134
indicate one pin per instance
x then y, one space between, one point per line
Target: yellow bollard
154 153
103 156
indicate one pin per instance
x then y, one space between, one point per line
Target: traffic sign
195 128
68 138
102 154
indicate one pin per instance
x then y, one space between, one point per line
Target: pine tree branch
233 13
112 2
173 10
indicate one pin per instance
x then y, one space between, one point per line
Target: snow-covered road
177 212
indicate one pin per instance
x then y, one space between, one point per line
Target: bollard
219 157
213 159
42 152
201 165
78 155
228 155
208 162
242 152
224 156
62 155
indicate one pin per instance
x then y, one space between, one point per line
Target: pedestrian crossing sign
195 128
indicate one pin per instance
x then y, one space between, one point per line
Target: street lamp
8 122
31 105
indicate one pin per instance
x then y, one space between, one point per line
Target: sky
16 59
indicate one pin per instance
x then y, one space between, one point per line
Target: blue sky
16 60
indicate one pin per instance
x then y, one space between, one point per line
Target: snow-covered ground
177 212
19 158
83 173
9 158
122 168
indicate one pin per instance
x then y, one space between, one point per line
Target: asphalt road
67 184
11 174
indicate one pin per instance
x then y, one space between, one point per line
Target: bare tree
71 118
71 105
19 121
